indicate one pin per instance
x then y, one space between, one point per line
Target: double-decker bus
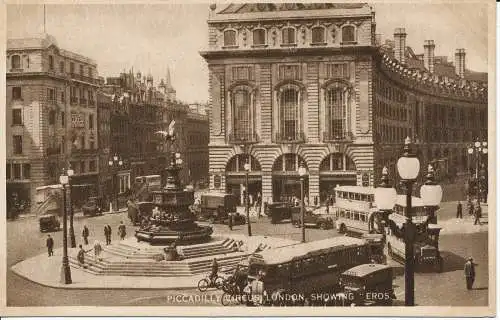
307 270
354 210
426 244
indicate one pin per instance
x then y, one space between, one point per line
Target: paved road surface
24 240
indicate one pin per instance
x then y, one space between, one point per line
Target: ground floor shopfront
274 171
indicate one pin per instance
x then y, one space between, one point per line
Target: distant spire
44 31
167 80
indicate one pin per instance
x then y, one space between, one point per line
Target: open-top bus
307 270
426 245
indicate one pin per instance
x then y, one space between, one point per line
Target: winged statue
170 134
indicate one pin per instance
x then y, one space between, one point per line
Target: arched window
336 111
337 162
318 35
288 35
16 62
289 101
242 113
259 37
348 34
51 62
229 38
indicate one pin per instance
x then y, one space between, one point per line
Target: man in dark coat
107 234
50 245
459 210
215 270
470 273
477 214
85 235
122 230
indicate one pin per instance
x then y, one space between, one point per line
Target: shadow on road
452 262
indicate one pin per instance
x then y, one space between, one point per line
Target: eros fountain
175 223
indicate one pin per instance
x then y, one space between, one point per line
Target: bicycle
206 283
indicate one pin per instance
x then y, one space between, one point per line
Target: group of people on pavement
122 233
474 209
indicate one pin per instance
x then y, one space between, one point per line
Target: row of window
442 115
198 139
392 134
16 63
17 118
289 36
82 167
18 171
290 101
388 91
353 215
52 95
389 111
440 134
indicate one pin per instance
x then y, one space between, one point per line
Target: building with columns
51 116
311 85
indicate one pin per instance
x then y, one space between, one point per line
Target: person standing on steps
50 245
122 231
85 235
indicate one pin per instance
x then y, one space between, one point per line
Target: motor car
279 211
49 222
92 207
368 285
137 211
238 219
312 219
215 207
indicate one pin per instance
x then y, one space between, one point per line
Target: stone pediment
268 7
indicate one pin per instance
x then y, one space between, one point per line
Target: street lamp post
247 208
72 239
114 163
408 168
65 269
477 149
385 195
302 174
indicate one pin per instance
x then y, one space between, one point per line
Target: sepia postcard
248 159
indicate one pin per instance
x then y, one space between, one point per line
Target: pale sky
152 37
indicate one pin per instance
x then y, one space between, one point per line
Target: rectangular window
92 166
82 142
62 97
229 38
61 67
82 166
337 70
259 37
26 171
318 35
72 67
81 70
91 121
18 144
289 72
51 94
288 35
63 119
16 93
51 62
241 73
17 117
16 167
7 171
52 117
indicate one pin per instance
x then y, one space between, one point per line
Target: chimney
460 63
429 55
400 44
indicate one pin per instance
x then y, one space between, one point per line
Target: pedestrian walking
459 210
85 235
122 230
50 245
470 273
230 221
477 214
97 250
107 234
470 207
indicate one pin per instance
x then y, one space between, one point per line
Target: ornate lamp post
431 194
408 169
247 168
302 174
65 269
115 163
72 239
385 195
478 149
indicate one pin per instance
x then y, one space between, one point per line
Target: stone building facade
309 84
51 113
